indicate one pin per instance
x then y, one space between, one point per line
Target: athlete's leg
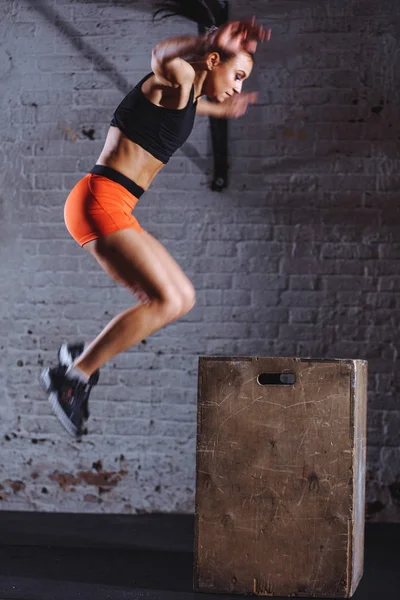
139 262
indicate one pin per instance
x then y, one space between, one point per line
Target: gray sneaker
67 397
67 353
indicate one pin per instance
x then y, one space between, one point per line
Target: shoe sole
45 382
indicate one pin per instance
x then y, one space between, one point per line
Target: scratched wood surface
280 488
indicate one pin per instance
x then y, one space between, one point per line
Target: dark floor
148 557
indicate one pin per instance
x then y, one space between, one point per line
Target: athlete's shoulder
175 72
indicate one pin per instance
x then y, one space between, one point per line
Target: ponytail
206 13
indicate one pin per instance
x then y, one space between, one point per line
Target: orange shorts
97 206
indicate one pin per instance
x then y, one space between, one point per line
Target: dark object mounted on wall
219 127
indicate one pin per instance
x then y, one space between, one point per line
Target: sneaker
67 397
67 353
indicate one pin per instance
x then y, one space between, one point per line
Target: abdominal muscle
122 155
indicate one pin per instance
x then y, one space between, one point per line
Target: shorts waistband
116 176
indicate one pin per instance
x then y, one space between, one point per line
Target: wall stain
295 134
69 132
16 486
89 133
92 498
100 479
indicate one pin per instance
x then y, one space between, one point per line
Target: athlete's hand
236 106
236 36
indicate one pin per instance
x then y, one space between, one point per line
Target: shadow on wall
334 74
292 59
100 63
103 65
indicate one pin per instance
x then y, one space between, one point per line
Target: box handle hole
276 379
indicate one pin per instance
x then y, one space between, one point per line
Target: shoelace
82 398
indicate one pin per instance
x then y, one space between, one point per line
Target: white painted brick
299 256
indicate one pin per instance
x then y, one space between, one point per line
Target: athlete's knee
177 301
168 303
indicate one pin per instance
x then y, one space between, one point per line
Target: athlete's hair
203 12
206 13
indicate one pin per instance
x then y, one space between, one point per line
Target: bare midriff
133 161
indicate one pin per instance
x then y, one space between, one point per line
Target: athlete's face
224 79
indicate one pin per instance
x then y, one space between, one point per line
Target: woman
149 125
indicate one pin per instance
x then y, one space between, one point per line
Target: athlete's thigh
128 257
175 272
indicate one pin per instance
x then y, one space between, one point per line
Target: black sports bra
160 131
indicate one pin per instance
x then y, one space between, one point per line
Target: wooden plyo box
280 476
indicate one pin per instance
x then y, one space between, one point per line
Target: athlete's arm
209 109
167 58
232 108
168 62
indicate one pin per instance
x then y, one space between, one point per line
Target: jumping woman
149 125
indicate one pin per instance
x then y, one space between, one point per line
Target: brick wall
298 257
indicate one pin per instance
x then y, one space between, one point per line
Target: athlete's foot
67 354
67 397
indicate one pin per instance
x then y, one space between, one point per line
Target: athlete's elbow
155 60
159 59
158 50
